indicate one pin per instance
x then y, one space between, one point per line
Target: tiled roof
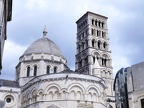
44 45
9 83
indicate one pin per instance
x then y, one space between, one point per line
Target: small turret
45 32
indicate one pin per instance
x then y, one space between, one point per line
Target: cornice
40 80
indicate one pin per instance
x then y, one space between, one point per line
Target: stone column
89 43
101 24
85 97
42 69
90 59
90 64
101 45
67 106
96 43
89 31
100 61
97 23
44 97
100 33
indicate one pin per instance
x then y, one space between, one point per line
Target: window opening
99 44
55 69
28 71
48 70
35 70
142 103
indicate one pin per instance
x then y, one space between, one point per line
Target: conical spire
45 32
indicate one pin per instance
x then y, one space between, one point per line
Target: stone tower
93 55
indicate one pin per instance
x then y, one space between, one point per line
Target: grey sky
29 17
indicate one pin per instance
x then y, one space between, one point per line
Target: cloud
37 5
30 16
12 52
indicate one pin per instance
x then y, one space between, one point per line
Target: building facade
5 16
43 79
93 55
120 88
130 93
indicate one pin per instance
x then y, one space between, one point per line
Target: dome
44 45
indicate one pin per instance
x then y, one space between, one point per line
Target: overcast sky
125 25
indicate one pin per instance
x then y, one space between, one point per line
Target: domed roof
44 45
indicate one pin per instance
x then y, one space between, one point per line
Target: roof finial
45 32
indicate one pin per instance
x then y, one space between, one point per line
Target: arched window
98 33
102 24
142 103
96 57
96 22
99 24
28 71
34 96
109 74
93 59
105 45
55 69
99 44
92 31
93 43
48 70
103 34
104 61
92 21
41 95
35 70
28 98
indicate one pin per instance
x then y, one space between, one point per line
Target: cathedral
43 79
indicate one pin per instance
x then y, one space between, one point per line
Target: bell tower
93 55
